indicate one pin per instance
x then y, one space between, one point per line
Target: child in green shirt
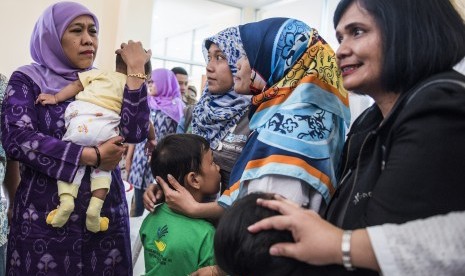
173 243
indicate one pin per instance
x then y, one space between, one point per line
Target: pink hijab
168 98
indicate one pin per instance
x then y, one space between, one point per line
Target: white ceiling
246 3
177 16
193 13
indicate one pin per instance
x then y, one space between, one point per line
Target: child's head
121 66
189 159
239 252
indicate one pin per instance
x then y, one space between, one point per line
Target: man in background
183 80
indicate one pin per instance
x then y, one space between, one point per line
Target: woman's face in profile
80 41
360 52
219 76
152 88
242 80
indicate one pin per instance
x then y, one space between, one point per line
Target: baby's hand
46 99
150 146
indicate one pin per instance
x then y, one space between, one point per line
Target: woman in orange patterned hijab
299 115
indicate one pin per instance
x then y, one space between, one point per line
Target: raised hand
153 195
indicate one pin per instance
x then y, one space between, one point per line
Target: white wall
119 20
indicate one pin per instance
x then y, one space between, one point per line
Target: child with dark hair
93 118
173 243
239 252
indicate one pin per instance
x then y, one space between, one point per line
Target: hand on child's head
153 195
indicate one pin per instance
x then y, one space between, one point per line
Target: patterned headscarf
53 70
215 114
300 110
289 54
168 98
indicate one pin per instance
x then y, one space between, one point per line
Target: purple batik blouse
32 133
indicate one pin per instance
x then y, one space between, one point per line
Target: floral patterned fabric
32 134
215 114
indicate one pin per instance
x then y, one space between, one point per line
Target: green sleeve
207 253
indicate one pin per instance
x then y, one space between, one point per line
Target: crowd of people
263 172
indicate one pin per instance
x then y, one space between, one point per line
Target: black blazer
411 164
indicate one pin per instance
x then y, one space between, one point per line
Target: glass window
157 63
171 64
199 36
198 78
158 48
178 42
179 46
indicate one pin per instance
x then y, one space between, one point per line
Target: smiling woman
359 56
391 172
359 52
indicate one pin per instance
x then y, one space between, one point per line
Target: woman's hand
134 55
128 159
153 195
111 153
149 147
135 58
317 242
179 199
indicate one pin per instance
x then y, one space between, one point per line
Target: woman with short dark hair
414 46
404 156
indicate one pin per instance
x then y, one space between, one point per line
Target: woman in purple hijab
165 95
166 109
63 43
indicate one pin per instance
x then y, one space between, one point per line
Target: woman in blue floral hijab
220 116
